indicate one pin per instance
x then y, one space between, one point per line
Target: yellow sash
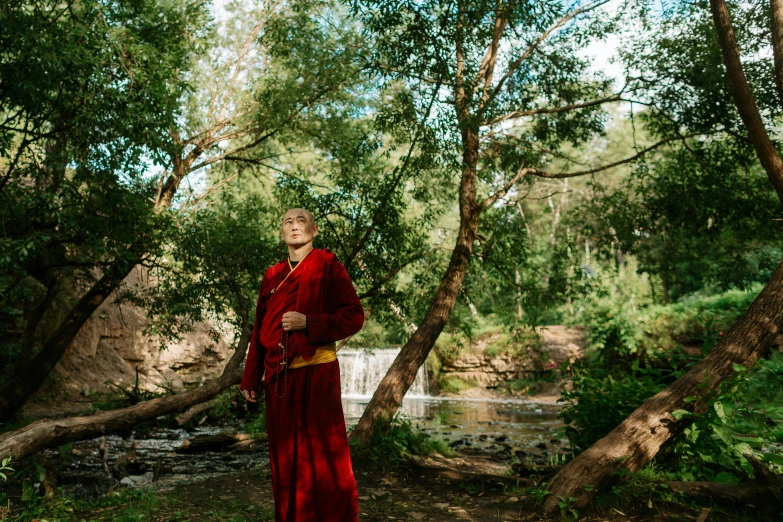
323 354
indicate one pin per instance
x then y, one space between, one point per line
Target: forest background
473 165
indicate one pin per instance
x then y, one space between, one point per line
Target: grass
455 384
139 505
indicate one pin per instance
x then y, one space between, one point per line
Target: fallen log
429 470
191 412
744 493
217 442
45 434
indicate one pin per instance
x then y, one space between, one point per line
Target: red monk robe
312 473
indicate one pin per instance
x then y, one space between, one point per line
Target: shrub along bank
635 351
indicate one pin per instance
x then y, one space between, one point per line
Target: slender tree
509 90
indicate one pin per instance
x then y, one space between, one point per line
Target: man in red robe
306 303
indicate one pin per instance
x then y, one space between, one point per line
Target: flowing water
361 372
510 426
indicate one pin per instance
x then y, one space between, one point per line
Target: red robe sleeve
254 365
347 315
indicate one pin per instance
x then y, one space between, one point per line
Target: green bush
743 417
390 445
256 425
623 324
599 401
697 319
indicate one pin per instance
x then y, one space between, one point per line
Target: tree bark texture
45 434
743 97
756 493
638 439
388 396
776 18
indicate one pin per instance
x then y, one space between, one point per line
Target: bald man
305 305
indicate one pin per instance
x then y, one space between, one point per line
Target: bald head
299 227
296 212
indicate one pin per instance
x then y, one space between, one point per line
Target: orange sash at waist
323 354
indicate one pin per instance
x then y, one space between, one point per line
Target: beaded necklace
282 363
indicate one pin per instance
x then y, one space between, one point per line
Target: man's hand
293 321
250 396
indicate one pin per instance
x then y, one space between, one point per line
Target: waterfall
361 372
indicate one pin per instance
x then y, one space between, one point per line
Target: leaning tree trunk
388 396
639 438
30 373
52 433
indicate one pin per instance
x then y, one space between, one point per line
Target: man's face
299 227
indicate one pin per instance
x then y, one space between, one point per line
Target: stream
501 428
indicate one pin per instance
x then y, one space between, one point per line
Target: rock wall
558 344
111 346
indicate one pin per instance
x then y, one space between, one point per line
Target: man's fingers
250 396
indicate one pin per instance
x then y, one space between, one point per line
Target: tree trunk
31 372
52 433
638 439
743 97
388 397
776 19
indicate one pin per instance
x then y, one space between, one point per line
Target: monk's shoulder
275 270
327 255
329 258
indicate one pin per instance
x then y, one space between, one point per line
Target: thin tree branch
743 97
516 63
553 110
502 192
563 175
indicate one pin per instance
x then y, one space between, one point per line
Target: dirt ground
409 496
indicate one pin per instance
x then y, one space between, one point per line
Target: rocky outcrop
112 346
557 344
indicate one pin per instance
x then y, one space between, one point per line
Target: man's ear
315 230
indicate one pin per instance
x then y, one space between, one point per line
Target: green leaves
738 422
4 468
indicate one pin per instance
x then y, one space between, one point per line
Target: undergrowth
390 445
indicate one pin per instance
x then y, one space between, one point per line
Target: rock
558 344
112 345
379 494
512 500
417 516
127 481
562 344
